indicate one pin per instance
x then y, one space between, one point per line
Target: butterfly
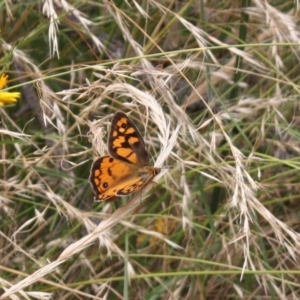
126 169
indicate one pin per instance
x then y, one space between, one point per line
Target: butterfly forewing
125 142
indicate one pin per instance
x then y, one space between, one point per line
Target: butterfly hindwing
111 177
125 142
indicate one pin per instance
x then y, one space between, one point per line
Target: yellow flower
7 97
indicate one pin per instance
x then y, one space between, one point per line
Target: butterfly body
126 169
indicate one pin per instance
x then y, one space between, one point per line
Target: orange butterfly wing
125 142
111 177
127 168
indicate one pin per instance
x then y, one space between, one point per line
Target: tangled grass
213 88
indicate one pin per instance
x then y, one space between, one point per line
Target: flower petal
8 97
3 80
